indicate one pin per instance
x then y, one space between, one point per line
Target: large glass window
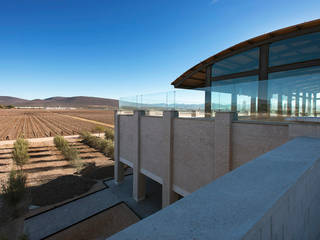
239 94
295 92
298 49
241 62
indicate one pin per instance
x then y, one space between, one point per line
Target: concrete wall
127 131
153 147
186 154
275 196
193 153
252 139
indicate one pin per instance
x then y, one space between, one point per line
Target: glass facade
274 93
238 94
298 49
295 92
241 62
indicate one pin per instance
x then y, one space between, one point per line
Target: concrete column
118 166
168 195
222 143
139 180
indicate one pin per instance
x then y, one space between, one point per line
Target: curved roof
195 77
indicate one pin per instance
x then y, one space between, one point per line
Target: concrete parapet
275 196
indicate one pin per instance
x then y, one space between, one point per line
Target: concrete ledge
274 196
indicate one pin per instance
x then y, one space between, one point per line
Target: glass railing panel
286 96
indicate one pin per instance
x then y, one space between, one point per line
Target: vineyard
96 115
37 123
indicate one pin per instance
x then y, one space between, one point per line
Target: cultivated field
47 162
37 123
103 116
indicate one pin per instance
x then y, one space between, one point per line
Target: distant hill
77 102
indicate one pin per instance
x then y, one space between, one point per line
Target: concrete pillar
139 180
168 195
118 166
222 143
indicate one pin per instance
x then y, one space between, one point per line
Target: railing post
168 195
118 166
139 180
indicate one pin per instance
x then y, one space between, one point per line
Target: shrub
99 129
109 134
20 152
9 107
110 152
15 189
70 153
60 142
105 146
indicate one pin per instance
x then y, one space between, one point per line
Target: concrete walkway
45 224
150 205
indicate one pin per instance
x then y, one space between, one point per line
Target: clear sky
116 48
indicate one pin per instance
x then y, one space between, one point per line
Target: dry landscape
52 178
37 123
47 167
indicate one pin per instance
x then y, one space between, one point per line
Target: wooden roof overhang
195 77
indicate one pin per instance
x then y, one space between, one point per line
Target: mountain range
77 102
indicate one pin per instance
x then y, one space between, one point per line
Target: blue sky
113 48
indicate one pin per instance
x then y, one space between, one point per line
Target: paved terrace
275 196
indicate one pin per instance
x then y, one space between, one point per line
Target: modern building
274 82
274 74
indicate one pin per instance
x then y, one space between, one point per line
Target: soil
39 123
99 173
100 226
60 189
53 179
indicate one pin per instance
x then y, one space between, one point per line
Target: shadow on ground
99 173
60 189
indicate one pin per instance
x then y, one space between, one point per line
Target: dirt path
91 121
